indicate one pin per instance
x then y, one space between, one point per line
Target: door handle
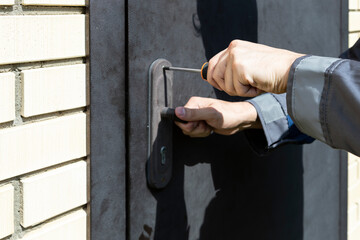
169 113
160 125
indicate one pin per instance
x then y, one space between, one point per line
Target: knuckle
243 78
235 64
211 62
192 100
249 79
195 98
218 77
233 43
213 104
188 128
237 61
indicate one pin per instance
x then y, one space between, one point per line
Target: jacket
322 102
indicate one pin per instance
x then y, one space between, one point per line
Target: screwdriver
169 113
203 71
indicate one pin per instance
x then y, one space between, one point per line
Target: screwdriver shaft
183 69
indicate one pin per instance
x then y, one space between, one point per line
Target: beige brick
42 144
353 37
70 227
353 174
55 2
6 210
53 89
7 97
354 194
51 193
354 21
353 4
353 217
38 38
7 2
352 158
354 234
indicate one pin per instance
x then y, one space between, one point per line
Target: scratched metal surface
107 121
220 189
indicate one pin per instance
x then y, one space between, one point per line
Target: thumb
195 114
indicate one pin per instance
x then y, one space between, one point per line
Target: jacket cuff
272 115
304 89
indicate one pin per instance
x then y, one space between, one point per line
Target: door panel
220 189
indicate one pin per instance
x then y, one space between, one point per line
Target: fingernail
180 111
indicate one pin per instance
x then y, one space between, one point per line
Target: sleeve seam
324 100
293 97
263 122
285 113
290 83
282 109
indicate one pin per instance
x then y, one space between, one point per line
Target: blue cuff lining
295 135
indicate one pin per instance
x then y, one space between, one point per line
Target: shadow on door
255 197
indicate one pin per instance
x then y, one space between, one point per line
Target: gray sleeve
272 113
323 99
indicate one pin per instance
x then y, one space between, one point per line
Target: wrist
291 59
249 117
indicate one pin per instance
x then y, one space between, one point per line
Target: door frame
107 62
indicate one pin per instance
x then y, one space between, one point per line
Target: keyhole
163 155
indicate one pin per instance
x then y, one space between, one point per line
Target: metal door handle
160 125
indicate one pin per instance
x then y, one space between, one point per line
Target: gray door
219 188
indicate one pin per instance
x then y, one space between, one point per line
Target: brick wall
43 120
354 162
354 21
354 198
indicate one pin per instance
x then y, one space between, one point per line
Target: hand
205 115
248 69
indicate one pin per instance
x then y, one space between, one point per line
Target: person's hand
205 115
248 69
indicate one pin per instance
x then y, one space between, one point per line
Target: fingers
229 84
198 114
195 129
242 88
218 74
244 68
226 76
213 64
205 115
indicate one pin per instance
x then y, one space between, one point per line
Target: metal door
219 189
